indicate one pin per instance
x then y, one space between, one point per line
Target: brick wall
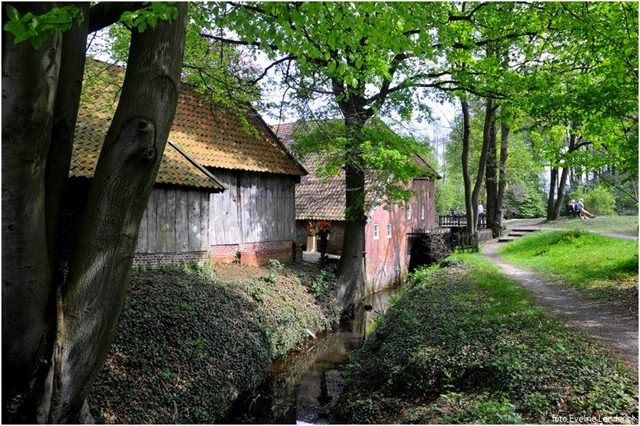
224 253
387 257
260 253
247 254
144 259
252 253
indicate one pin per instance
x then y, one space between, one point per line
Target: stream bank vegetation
465 344
602 268
191 339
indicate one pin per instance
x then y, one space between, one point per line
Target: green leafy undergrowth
190 340
465 344
602 268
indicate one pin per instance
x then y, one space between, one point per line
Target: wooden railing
459 221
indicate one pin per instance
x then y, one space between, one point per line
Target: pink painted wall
387 258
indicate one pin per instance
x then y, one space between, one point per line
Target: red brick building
386 240
225 188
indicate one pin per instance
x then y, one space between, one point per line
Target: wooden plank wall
255 207
267 208
176 220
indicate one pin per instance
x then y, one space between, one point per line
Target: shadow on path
617 329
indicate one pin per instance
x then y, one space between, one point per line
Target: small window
376 231
388 230
409 212
422 212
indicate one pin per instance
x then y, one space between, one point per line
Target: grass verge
465 344
627 225
189 344
602 268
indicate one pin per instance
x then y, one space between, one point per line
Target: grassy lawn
465 344
190 340
627 225
602 268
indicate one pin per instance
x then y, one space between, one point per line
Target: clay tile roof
201 135
317 198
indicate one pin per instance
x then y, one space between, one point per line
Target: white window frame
409 212
389 231
423 208
376 231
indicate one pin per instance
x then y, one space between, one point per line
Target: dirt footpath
612 326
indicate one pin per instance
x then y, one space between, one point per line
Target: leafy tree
337 51
61 298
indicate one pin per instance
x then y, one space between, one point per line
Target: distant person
584 214
572 207
480 212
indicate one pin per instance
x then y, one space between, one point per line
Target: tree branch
104 14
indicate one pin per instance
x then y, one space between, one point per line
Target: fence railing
460 221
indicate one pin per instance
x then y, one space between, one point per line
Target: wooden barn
225 187
387 246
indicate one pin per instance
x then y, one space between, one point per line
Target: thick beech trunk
29 82
60 329
502 183
352 267
94 292
491 173
466 132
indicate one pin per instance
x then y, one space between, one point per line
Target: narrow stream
303 386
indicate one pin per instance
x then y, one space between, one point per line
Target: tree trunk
466 132
65 114
502 184
491 173
351 267
552 190
563 179
93 295
29 80
482 163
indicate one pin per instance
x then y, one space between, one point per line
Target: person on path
480 212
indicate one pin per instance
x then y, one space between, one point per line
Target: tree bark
352 266
93 295
552 190
491 173
466 133
482 163
65 114
563 180
502 183
29 80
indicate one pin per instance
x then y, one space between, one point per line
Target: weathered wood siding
175 221
255 207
